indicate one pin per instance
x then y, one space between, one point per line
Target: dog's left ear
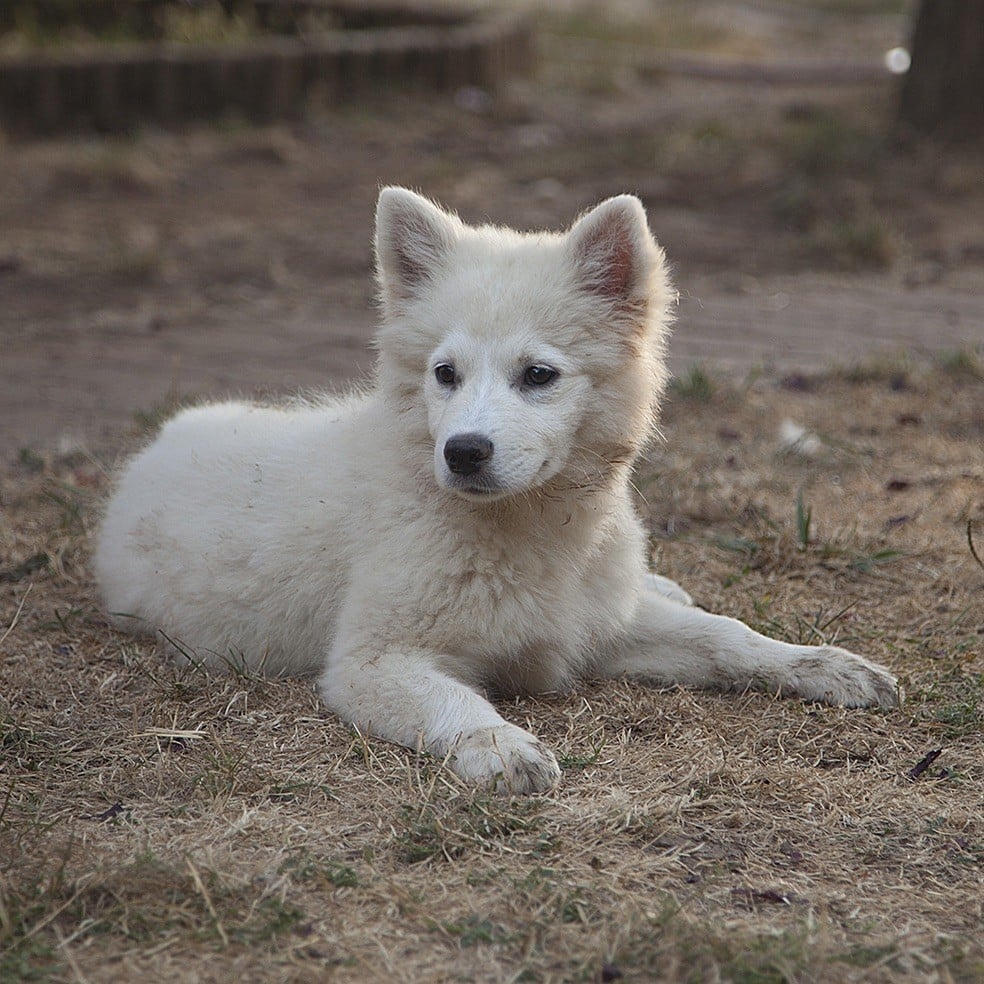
413 237
613 252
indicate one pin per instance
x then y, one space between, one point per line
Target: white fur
337 537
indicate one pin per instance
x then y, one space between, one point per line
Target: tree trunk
944 88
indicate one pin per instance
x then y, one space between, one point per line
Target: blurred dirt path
64 383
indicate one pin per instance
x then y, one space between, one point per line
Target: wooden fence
113 87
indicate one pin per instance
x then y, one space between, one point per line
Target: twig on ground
923 764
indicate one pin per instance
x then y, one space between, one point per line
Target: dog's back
229 531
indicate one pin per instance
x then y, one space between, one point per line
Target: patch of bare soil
802 227
159 824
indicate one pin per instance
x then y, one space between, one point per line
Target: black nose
465 453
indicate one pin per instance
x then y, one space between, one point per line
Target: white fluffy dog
467 523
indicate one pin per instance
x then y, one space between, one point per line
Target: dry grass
158 824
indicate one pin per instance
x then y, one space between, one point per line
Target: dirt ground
802 229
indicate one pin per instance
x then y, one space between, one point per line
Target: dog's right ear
412 238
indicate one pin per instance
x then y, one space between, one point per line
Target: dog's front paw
836 676
506 757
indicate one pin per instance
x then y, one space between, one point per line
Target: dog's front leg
672 643
403 696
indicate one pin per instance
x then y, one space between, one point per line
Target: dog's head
522 360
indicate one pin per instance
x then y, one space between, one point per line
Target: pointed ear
613 252
412 238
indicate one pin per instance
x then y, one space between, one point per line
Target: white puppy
467 523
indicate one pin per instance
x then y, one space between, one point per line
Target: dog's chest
513 610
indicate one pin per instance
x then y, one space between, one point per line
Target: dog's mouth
479 492
485 488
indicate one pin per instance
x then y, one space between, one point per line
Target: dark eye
445 374
539 375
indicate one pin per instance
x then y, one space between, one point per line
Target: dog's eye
539 375
445 374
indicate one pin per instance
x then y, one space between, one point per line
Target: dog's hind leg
674 644
667 588
406 698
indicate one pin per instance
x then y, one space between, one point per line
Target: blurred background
820 199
